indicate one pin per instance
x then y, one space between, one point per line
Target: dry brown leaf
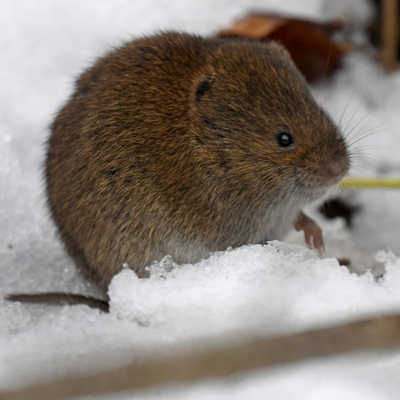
309 43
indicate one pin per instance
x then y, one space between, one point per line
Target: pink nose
335 168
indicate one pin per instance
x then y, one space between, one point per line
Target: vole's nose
337 167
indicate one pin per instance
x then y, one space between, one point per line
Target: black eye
284 139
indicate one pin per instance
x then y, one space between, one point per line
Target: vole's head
257 126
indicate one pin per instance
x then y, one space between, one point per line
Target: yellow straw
353 183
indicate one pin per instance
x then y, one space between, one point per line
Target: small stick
221 360
353 183
390 34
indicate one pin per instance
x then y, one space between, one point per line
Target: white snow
271 289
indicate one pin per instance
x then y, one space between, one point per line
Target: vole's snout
337 168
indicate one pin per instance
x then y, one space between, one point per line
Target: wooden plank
222 359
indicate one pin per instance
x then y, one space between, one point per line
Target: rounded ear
203 86
282 52
280 49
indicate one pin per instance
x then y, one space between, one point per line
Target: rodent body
172 145
178 145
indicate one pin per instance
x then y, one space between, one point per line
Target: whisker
355 124
347 104
352 143
354 114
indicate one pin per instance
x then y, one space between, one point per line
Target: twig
218 361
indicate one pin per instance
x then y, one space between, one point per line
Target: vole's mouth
333 181
313 192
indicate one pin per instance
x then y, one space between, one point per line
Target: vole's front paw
312 231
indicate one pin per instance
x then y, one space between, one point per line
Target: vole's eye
284 138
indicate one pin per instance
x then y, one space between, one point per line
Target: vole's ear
280 50
203 87
281 53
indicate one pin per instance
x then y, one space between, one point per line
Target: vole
180 145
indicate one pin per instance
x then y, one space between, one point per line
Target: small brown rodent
179 145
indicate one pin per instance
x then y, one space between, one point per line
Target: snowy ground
254 289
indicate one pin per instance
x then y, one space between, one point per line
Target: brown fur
168 147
